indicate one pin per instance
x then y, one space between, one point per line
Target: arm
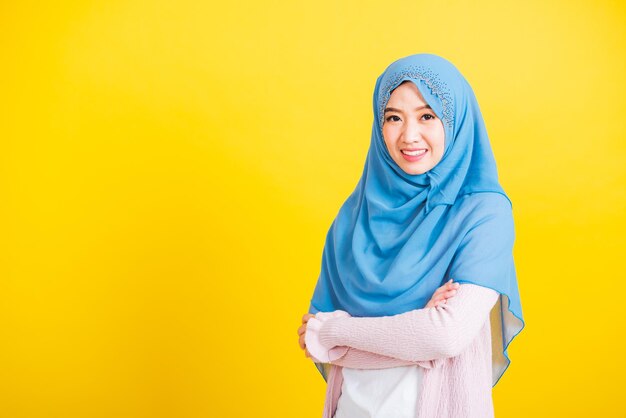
352 357
359 359
349 356
418 335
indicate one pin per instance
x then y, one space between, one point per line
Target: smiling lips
413 155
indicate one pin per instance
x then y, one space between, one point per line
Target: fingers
443 293
302 331
301 342
303 346
444 297
450 286
439 302
446 287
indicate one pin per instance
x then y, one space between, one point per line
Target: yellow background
169 170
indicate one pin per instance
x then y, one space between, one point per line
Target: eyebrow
393 109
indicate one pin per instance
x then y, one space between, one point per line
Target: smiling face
414 135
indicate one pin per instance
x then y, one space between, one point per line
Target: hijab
399 236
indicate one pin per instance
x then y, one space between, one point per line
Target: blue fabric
398 236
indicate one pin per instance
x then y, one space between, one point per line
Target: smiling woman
413 134
382 327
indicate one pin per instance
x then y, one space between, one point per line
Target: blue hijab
398 236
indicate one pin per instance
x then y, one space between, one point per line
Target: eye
429 115
389 118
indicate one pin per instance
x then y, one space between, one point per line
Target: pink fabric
312 341
452 342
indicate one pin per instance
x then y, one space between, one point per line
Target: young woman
388 329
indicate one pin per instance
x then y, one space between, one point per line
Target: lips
414 152
413 158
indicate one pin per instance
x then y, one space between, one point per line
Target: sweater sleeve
359 359
418 335
349 356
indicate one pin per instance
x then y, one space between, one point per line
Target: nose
412 132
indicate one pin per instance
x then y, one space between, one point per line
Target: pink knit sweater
452 342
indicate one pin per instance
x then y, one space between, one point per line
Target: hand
302 333
443 293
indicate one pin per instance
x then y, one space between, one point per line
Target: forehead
407 89
425 78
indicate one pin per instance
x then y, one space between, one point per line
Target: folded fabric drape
400 236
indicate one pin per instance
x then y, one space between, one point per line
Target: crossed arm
417 337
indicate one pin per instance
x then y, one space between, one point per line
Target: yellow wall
169 170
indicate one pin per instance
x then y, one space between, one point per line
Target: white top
380 393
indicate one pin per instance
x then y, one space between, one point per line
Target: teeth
418 152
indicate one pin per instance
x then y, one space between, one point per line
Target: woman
387 328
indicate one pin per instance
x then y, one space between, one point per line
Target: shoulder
485 214
490 202
477 208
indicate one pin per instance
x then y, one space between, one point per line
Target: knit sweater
452 342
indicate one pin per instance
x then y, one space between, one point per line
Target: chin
414 171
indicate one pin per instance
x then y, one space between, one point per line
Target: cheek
441 145
438 139
388 137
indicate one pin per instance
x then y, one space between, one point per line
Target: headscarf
399 236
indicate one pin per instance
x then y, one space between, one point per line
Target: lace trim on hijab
436 86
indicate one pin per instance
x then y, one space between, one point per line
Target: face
414 135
